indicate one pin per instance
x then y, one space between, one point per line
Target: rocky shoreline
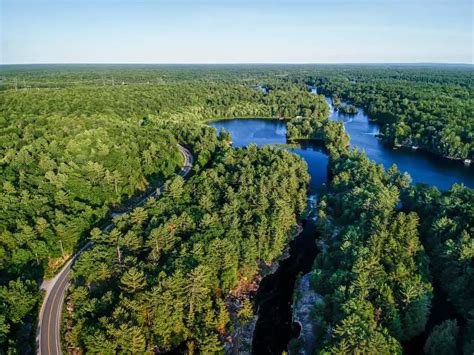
305 299
239 338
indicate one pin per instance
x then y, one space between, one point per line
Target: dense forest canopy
447 227
177 101
161 275
372 271
426 106
72 153
60 75
385 243
81 141
433 111
61 176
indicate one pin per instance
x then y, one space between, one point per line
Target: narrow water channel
423 167
274 327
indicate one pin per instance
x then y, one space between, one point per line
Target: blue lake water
423 167
274 327
262 132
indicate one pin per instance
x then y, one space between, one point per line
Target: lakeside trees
165 277
348 109
372 270
428 108
446 230
331 133
80 143
383 242
309 126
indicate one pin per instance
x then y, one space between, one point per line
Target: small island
348 109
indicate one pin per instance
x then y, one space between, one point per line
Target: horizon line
243 63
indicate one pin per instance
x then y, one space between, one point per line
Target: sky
236 31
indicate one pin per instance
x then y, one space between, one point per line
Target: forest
428 109
446 229
61 176
81 143
384 245
176 101
74 154
372 271
161 276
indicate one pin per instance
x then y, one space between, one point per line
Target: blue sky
233 31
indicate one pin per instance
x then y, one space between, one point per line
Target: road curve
49 322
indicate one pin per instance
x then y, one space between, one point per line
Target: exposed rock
239 338
306 298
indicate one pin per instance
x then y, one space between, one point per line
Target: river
274 327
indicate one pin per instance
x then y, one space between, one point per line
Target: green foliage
199 239
57 183
175 101
443 339
309 126
446 230
348 109
372 273
4 329
88 138
246 311
426 107
133 280
332 134
18 300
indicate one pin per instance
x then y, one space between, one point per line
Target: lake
423 167
274 327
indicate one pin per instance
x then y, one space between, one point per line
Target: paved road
49 335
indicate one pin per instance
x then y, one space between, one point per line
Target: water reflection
261 132
423 167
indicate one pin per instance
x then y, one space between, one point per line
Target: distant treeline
430 109
78 141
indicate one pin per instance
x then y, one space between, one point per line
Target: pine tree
443 339
197 289
4 329
210 344
133 280
138 216
246 311
175 188
223 317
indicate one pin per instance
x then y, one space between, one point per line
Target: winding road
49 322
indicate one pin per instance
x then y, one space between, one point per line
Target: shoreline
379 135
239 341
305 298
